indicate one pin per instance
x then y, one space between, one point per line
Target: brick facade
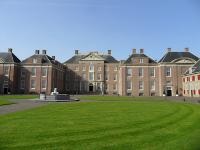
96 73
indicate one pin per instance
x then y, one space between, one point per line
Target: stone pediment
184 61
93 56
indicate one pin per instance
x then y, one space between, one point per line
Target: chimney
186 49
37 52
53 57
141 51
9 50
109 52
169 49
134 51
76 52
44 52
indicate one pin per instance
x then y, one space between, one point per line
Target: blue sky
61 26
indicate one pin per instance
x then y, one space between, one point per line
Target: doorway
90 87
5 91
169 91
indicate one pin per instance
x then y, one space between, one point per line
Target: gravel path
20 105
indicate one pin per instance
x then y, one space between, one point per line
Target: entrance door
5 91
90 87
169 91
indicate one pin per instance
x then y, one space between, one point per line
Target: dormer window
34 60
141 61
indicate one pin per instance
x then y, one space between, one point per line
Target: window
141 94
116 68
106 87
98 76
83 68
34 60
168 71
152 72
91 67
152 84
44 72
115 77
91 75
193 78
23 73
98 86
141 87
140 72
44 84
33 84
6 70
115 87
129 85
141 61
22 84
129 72
33 72
83 76
183 79
76 68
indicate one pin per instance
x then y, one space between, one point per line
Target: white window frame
22 86
6 70
154 71
127 87
33 87
168 71
140 74
44 75
34 60
141 85
45 84
35 72
129 74
152 85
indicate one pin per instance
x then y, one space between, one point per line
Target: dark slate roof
194 69
171 56
129 60
43 57
75 59
109 59
8 57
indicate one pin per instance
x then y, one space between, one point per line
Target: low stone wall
55 97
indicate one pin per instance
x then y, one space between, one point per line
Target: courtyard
102 122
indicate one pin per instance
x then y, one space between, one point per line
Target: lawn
4 99
115 98
120 125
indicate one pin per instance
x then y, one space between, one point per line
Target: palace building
191 81
100 73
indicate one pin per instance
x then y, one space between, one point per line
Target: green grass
115 98
5 102
121 125
4 99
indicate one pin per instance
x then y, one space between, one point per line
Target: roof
8 57
171 56
76 58
194 69
43 58
129 60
